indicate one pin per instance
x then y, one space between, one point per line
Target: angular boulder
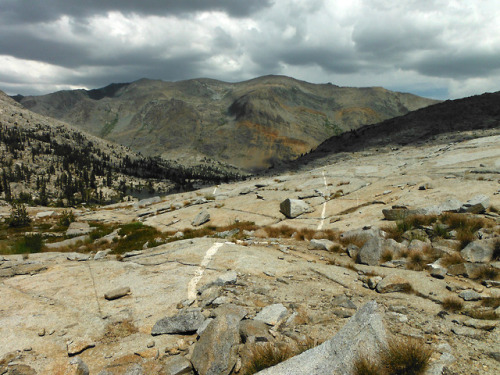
201 219
371 251
215 353
480 251
320 244
187 321
476 205
363 333
272 314
292 208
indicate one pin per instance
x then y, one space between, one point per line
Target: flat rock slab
393 283
320 244
363 333
469 295
200 219
78 229
187 321
117 293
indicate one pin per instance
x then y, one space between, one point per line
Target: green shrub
67 217
32 243
18 216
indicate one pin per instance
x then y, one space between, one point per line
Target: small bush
496 250
416 260
367 366
267 355
357 240
453 304
465 236
485 273
440 231
493 302
386 255
32 243
281 231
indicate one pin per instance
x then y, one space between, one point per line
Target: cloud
430 47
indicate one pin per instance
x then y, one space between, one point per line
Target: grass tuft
453 304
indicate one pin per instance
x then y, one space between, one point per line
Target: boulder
370 252
438 272
79 367
476 205
480 251
146 202
320 244
44 214
394 214
229 277
393 283
272 314
292 208
117 293
363 333
185 322
215 353
200 219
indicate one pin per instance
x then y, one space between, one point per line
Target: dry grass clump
118 330
406 356
453 304
451 259
420 220
496 250
281 231
465 236
493 302
482 314
416 260
386 255
356 240
266 355
485 273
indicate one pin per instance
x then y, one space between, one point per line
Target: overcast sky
435 48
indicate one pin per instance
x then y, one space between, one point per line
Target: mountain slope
447 119
45 161
249 124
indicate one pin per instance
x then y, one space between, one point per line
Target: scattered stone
150 344
177 365
78 229
79 367
363 333
352 251
77 257
373 281
117 293
245 191
80 345
491 283
41 332
469 295
476 205
438 272
185 322
485 325
393 283
343 301
227 278
467 332
200 219
272 314
292 208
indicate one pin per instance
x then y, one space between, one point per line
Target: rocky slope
200 298
250 125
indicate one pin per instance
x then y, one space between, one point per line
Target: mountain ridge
250 124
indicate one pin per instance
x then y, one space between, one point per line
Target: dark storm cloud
28 11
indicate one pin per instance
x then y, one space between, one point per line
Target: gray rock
245 191
394 214
491 283
272 314
187 321
117 293
229 277
320 244
79 367
352 251
177 365
292 208
363 333
135 369
372 282
495 356
204 326
101 254
438 272
146 202
201 219
132 253
370 252
480 251
343 301
469 295
464 269
44 214
476 205
78 229
468 332
393 283
230 309
215 353
450 205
